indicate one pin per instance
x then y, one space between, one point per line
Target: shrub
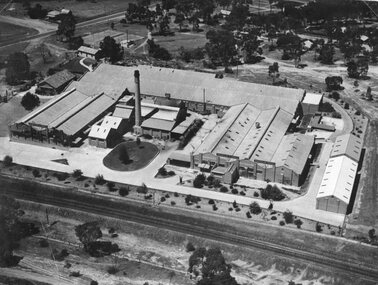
123 191
288 217
217 183
242 193
282 223
336 115
199 180
273 218
171 173
346 106
248 215
114 235
175 194
237 209
173 203
142 189
111 230
215 207
110 186
234 204
93 282
61 176
298 223
112 269
166 196
190 247
230 209
99 179
272 193
36 173
256 194
234 191
318 227
77 173
333 233
162 199
8 161
223 189
255 208
211 202
75 274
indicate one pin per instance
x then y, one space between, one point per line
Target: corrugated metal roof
99 132
348 145
158 124
58 79
338 179
293 152
189 85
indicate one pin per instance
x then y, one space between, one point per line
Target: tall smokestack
138 119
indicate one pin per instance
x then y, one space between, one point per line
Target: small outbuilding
100 136
89 52
311 103
56 83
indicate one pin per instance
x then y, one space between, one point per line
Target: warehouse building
56 83
64 120
311 103
337 185
348 145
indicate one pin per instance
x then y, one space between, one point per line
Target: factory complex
226 127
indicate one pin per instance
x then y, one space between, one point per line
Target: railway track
114 209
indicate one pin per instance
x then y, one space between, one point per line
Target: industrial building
64 120
56 83
84 51
311 103
338 180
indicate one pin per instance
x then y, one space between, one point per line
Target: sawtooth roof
190 86
338 179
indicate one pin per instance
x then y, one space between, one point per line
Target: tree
18 68
272 193
29 101
205 8
75 43
180 18
291 46
372 235
110 49
273 71
298 223
358 68
37 12
184 7
10 231
255 208
123 154
67 26
238 16
199 180
157 51
288 217
88 232
334 83
326 54
164 26
77 173
221 47
369 96
210 265
7 161
190 247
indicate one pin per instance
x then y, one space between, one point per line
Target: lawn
11 32
130 156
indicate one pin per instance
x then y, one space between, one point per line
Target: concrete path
89 160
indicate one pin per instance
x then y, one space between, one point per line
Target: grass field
139 156
10 32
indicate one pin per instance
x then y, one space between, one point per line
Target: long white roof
312 98
338 179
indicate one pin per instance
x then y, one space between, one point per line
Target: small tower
137 99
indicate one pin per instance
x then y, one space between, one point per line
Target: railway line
114 209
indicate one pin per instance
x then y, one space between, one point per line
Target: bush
336 115
93 282
173 203
223 189
171 173
215 207
112 269
36 173
298 223
273 218
29 101
175 194
256 194
162 171
99 179
217 183
123 191
255 208
8 161
242 193
142 189
237 209
162 199
61 176
282 223
230 209
211 202
288 217
318 228
190 247
248 215
272 193
77 173
111 186
234 191
346 106
199 180
75 274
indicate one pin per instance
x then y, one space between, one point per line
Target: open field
10 32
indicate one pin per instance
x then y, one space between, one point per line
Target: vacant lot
130 156
12 32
